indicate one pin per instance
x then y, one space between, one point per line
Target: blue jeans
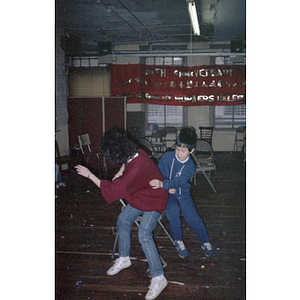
147 224
185 203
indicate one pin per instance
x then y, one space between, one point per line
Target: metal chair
158 140
204 152
148 147
84 144
203 168
239 138
171 134
152 127
137 222
206 134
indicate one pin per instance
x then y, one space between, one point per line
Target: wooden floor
85 233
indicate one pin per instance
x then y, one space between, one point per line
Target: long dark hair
116 146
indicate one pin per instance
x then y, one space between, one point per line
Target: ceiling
149 21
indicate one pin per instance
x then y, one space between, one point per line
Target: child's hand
83 171
155 183
172 191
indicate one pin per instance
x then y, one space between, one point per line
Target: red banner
176 85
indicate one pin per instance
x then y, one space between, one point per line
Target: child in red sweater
132 183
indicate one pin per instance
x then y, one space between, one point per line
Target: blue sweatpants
186 205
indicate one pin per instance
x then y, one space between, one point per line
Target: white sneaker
118 266
156 287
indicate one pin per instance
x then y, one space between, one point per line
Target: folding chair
84 144
204 152
61 160
239 138
158 140
203 168
171 134
138 225
206 134
148 147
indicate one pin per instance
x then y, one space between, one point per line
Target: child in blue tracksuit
177 168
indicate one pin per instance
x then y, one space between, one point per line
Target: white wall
126 60
135 107
198 60
223 140
198 116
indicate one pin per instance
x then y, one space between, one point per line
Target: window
229 116
164 115
88 61
164 61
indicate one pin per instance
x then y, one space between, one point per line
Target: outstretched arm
85 172
155 183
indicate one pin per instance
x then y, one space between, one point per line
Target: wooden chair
206 134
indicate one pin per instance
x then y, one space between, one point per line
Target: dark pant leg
190 214
173 215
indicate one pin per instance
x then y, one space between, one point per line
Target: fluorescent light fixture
193 16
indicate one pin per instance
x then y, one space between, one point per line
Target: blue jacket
175 173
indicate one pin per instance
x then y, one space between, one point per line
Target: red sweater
134 185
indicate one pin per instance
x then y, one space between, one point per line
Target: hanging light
193 16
